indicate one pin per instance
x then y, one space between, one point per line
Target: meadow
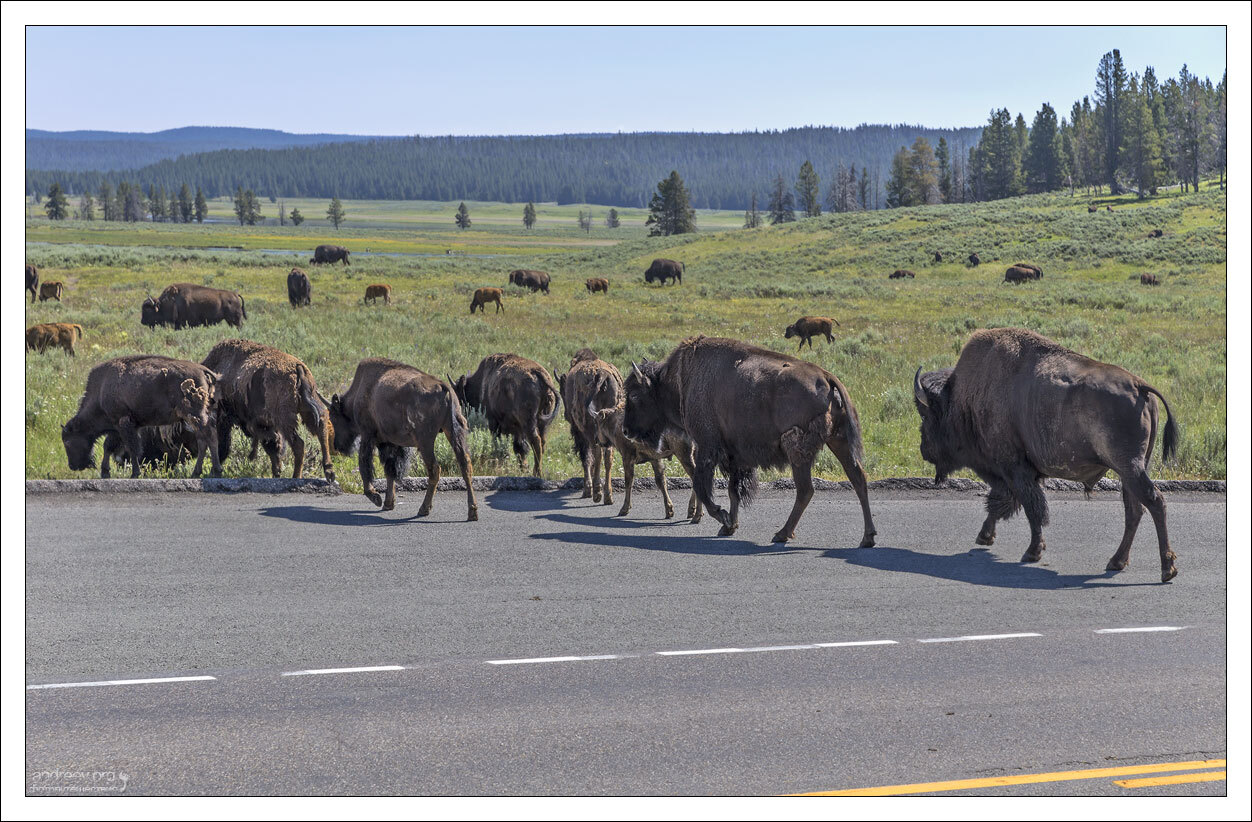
748 284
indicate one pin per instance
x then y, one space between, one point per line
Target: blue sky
543 80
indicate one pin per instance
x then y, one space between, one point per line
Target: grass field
745 284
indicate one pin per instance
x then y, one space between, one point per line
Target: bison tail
1169 440
851 425
242 307
546 419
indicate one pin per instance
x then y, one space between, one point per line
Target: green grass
745 284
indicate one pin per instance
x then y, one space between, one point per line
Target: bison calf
595 284
51 290
395 408
1148 279
373 292
487 295
39 338
160 446
806 328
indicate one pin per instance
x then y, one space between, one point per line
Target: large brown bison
1032 267
591 382
806 328
184 305
329 254
299 289
974 259
745 407
373 292
161 446
1148 279
32 281
1156 232
665 270
51 290
126 394
486 295
519 399
1092 209
39 338
901 273
268 393
595 284
534 280
1018 407
395 408
1019 274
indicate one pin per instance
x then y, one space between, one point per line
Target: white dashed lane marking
977 638
120 682
371 669
540 659
1152 629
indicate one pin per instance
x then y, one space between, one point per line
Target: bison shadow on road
527 501
976 567
606 516
705 544
333 516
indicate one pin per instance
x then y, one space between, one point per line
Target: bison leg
129 434
432 476
1134 511
739 484
317 421
702 484
856 475
628 477
658 473
536 444
395 460
1143 488
803 475
297 452
587 459
110 445
608 476
365 463
829 338
686 459
596 457
456 438
273 449
1000 505
1026 488
206 440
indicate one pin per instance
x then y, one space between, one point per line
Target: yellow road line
1023 779
1176 779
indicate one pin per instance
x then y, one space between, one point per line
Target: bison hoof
473 515
389 505
1032 555
608 500
695 519
984 539
1168 573
424 511
1116 564
669 512
623 511
867 541
782 536
586 493
725 531
330 473
374 497
595 497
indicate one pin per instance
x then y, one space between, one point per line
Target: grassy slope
746 284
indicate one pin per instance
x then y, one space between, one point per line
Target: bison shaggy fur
299 289
39 338
373 292
665 270
589 384
32 281
184 305
329 254
518 397
1148 279
901 273
595 284
528 278
51 290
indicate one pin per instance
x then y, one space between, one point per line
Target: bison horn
634 367
918 391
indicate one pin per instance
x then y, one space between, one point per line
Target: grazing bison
591 382
126 394
663 270
1038 272
901 273
268 393
329 254
487 295
806 328
519 399
938 257
1018 274
184 305
1109 208
373 292
1148 279
395 408
32 281
744 407
595 284
1018 407
299 289
160 446
39 338
974 259
51 290
534 280
1092 209
1156 232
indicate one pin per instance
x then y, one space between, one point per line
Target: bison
268 393
1109 209
534 280
519 399
184 305
329 254
1092 209
487 295
32 281
744 407
591 382
126 394
39 338
1018 274
160 446
938 257
806 328
1148 279
595 284
1156 232
1019 407
373 292
901 273
974 259
299 289
1038 272
51 290
395 408
664 270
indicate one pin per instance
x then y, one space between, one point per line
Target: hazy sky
532 80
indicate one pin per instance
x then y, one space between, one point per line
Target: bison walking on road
32 281
806 328
329 254
665 270
184 305
590 383
126 394
519 399
395 408
745 407
299 289
487 295
1018 407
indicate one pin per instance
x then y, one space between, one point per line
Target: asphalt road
705 665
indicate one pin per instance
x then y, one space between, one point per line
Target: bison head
344 435
467 391
790 332
645 418
150 313
79 446
930 394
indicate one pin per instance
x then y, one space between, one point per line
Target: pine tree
613 220
241 205
130 196
247 207
808 187
1140 155
923 177
335 213
156 203
463 220
671 209
1110 87
528 215
782 206
1043 154
945 171
108 205
202 206
86 207
296 216
58 205
752 217
282 212
863 191
899 192
186 208
584 220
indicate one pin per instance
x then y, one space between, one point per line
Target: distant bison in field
518 397
299 289
1148 279
664 270
487 295
159 445
1092 209
51 290
1110 208
373 292
974 259
395 408
39 338
938 257
1021 274
901 273
32 281
184 305
1156 233
595 284
126 394
1038 271
329 254
268 393
806 328
527 278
